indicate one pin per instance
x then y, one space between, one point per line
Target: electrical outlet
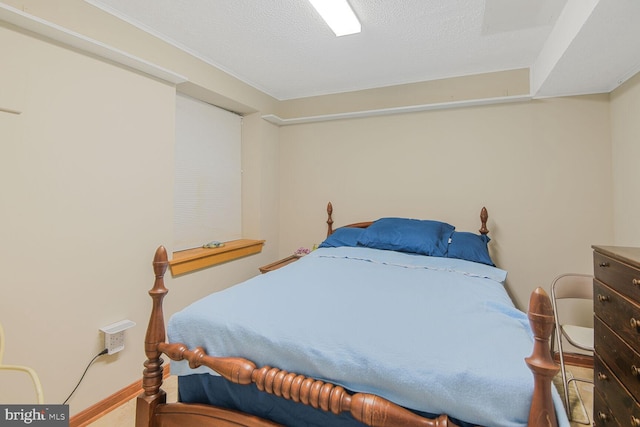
114 335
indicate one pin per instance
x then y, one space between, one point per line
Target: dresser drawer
622 315
602 414
621 277
614 400
623 362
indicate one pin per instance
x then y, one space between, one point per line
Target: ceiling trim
568 26
85 44
276 120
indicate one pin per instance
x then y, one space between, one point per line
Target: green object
213 244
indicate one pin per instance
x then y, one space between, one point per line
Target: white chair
571 286
32 374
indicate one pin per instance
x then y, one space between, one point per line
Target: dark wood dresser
616 296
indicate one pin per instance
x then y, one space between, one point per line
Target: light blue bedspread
437 335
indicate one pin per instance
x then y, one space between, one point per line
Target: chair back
578 286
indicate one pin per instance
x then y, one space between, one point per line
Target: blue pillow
470 247
343 236
423 237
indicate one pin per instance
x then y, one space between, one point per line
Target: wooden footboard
153 411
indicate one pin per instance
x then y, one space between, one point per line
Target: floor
586 393
124 415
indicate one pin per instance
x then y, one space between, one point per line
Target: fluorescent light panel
338 15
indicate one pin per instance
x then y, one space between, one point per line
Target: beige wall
542 169
625 136
87 196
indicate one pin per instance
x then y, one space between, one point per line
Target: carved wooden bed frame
153 411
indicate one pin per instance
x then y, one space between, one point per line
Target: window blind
207 188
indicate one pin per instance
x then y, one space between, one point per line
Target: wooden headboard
484 216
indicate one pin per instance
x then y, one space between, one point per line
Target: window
207 189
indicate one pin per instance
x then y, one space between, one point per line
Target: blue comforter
437 335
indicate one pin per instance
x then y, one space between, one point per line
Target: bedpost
152 374
542 412
484 216
329 219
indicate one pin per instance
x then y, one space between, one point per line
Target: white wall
541 168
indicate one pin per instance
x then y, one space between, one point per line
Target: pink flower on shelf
301 251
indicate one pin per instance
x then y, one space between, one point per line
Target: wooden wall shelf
195 259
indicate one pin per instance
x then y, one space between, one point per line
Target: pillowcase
470 247
423 237
343 236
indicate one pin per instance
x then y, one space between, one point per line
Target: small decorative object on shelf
213 244
301 252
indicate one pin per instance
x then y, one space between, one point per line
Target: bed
393 322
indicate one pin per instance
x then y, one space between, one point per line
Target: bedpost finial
160 261
541 317
540 304
484 216
160 255
329 219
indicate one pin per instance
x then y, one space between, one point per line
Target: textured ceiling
283 48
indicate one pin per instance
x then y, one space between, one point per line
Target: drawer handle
603 298
635 371
604 264
634 323
602 377
602 416
636 282
635 422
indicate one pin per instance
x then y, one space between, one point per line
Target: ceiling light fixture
338 15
